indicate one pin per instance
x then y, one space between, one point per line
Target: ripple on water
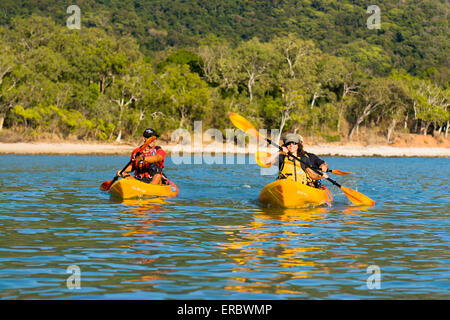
214 241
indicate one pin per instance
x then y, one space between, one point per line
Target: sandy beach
125 149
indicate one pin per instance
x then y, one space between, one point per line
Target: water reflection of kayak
291 194
132 188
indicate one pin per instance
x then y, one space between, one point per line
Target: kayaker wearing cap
148 165
292 169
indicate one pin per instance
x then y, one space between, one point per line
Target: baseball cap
149 133
293 137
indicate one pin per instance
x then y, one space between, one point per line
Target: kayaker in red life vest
293 169
148 165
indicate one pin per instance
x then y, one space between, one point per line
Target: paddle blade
243 124
340 172
357 197
261 157
147 142
105 186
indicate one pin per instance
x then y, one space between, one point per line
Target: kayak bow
133 188
286 193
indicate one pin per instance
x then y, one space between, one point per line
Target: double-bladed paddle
261 157
105 186
354 196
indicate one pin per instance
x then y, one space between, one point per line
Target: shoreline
125 149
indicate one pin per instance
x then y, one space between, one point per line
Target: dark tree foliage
309 65
414 34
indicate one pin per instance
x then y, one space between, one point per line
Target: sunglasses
291 142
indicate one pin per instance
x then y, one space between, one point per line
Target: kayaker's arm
151 159
324 167
126 171
313 175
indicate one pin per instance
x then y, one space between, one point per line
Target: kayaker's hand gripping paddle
105 186
354 196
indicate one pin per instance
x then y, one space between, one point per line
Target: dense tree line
413 34
98 84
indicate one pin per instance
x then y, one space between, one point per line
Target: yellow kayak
132 188
286 193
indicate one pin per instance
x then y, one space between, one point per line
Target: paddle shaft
121 171
136 155
142 148
298 159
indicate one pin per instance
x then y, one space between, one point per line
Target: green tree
9 78
371 58
254 60
340 80
182 57
183 96
372 95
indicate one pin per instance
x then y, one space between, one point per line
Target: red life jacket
144 169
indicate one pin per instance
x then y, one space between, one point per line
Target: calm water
214 241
